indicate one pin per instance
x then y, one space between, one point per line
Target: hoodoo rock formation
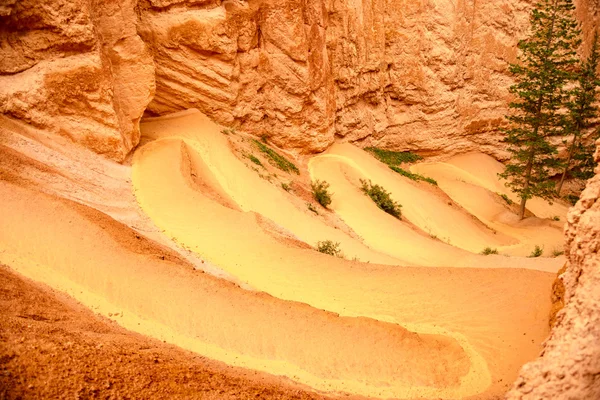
411 75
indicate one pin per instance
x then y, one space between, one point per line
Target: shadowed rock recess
131 182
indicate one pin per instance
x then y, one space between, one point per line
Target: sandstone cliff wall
569 367
426 75
76 68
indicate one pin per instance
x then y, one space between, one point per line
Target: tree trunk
527 177
564 174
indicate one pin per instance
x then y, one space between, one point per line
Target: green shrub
320 192
382 198
329 247
557 253
413 176
537 251
556 218
312 208
572 199
275 158
285 186
488 250
255 160
506 199
393 157
227 131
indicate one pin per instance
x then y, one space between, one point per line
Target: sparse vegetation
255 160
286 186
488 250
329 247
393 157
413 176
382 198
537 251
572 199
556 218
312 208
321 193
506 199
557 253
275 158
228 131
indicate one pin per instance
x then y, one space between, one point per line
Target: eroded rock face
259 65
569 367
426 75
76 68
409 75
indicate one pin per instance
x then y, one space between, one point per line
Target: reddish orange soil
51 348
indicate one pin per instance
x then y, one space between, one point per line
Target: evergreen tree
543 68
584 158
582 112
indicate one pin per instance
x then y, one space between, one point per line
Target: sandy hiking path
148 289
471 180
446 234
496 315
54 348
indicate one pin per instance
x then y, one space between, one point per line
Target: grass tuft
488 250
557 253
393 157
382 198
413 176
286 186
255 160
275 158
506 199
320 192
537 251
312 208
329 247
227 131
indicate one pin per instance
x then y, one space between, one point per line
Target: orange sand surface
472 181
430 300
379 329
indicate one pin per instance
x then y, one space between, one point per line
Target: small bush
329 247
227 131
556 218
572 199
537 251
312 208
506 199
286 187
320 192
255 160
275 158
488 250
382 198
393 157
413 176
557 253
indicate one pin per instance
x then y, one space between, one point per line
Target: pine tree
582 112
546 58
584 158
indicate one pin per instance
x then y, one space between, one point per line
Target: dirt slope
53 348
